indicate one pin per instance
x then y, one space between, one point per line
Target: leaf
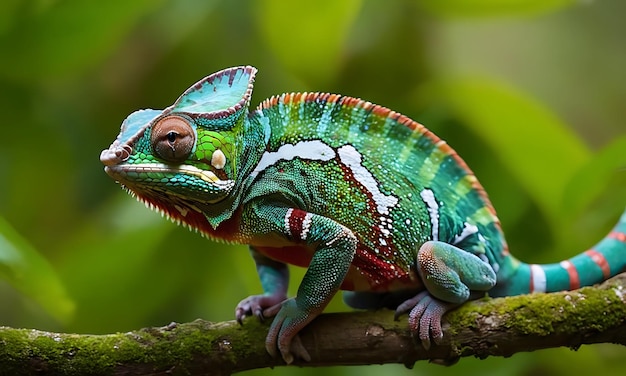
590 181
31 274
308 38
64 37
538 149
107 257
490 8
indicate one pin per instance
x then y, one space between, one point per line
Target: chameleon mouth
127 172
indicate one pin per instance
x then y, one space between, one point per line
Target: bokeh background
531 93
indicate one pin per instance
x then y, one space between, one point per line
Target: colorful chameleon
367 199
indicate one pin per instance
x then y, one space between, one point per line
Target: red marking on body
367 271
619 236
295 220
572 272
380 274
228 230
375 233
600 260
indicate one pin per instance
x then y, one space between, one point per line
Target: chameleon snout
115 154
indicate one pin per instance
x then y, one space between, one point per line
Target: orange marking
619 236
599 259
381 111
574 279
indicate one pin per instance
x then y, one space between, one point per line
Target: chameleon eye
172 139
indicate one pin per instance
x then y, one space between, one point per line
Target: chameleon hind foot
425 315
450 276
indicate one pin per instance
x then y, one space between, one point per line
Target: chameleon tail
604 260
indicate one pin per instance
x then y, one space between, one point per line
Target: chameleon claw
294 350
259 313
256 305
283 334
426 313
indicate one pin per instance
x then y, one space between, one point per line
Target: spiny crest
345 101
175 215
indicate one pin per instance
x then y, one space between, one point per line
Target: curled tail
602 261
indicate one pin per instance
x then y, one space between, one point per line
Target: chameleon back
396 184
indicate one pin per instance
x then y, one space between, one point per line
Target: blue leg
274 278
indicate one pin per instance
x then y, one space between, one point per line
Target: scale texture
368 200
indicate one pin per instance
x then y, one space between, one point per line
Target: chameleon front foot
283 334
425 315
255 305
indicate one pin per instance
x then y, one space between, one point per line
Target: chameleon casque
367 199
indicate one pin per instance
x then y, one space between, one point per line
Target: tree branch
489 327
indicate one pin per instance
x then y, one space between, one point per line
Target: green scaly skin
367 199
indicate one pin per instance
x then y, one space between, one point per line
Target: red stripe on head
600 260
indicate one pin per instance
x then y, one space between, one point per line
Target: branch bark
488 327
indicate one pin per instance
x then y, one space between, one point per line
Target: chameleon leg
450 275
333 247
274 278
321 281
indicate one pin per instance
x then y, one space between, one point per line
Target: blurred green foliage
530 93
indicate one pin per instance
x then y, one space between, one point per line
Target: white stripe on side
468 229
350 157
287 225
433 211
306 226
314 150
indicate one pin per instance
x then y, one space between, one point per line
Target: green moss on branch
488 327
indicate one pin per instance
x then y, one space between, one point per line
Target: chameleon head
185 155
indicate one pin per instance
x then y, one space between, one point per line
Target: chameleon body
368 200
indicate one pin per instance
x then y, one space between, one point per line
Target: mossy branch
489 327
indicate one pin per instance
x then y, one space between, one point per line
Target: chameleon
368 200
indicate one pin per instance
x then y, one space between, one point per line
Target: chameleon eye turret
303 180
172 139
